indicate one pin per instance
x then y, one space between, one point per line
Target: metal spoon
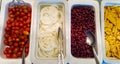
23 55
16 2
60 47
91 42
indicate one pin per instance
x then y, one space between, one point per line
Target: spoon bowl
91 42
90 38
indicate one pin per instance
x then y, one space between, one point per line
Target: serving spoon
18 2
60 46
91 42
23 55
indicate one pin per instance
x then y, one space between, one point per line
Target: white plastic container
34 58
109 60
74 60
4 60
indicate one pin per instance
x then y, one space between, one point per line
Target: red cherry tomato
21 49
12 47
26 50
27 45
5 51
7 28
16 50
6 35
21 24
5 42
19 54
14 56
16 44
8 55
9 51
25 39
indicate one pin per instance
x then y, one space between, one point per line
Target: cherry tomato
9 51
27 45
10 43
8 55
21 24
5 51
25 39
21 48
16 50
26 50
5 42
6 35
13 24
17 13
16 44
16 24
12 47
14 56
9 39
28 21
29 15
25 17
7 28
19 54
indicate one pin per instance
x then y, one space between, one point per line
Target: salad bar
59 32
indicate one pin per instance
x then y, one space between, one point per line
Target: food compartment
82 19
111 31
16 30
51 16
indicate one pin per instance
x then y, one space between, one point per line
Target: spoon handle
60 58
96 57
23 56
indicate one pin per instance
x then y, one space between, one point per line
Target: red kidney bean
82 18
